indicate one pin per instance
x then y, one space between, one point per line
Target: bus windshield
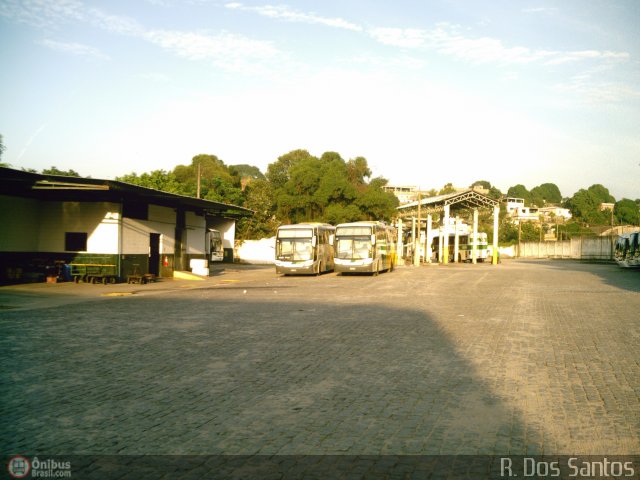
354 248
353 243
294 249
294 245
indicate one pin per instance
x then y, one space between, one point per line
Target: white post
474 248
445 253
456 242
399 246
496 215
428 251
440 241
414 241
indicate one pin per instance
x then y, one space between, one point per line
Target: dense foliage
298 187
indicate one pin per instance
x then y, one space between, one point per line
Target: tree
481 183
278 172
448 188
157 179
2 149
519 191
546 193
627 212
217 182
358 170
246 171
530 232
259 198
494 192
335 186
327 189
56 171
375 203
585 205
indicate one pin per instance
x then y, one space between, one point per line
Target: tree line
297 187
300 187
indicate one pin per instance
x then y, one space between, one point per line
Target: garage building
48 220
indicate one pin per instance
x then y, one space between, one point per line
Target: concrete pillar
415 240
428 251
445 253
474 248
440 242
496 215
399 245
456 241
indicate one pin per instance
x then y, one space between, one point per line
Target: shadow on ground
216 375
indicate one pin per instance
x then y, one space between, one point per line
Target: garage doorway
154 254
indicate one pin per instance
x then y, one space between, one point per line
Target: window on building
75 241
137 210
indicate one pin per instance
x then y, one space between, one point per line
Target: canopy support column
445 253
474 248
496 214
428 251
456 241
414 241
399 245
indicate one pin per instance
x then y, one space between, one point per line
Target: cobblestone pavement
519 358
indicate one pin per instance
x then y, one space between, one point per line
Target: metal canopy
465 200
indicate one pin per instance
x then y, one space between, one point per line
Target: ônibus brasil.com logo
19 467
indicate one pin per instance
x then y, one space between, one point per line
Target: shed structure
448 205
49 220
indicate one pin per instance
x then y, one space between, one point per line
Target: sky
428 91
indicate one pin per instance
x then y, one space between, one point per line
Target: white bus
465 247
627 250
304 248
365 247
215 252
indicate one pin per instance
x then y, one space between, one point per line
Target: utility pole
198 189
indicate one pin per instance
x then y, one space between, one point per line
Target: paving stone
521 358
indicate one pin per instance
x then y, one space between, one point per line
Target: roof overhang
60 188
465 200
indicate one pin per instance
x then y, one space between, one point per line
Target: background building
50 220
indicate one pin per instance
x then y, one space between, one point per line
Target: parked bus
465 247
365 247
215 252
305 248
627 250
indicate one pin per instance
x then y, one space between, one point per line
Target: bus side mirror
314 241
331 237
373 239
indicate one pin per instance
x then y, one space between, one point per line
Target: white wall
32 225
135 233
98 219
585 248
227 228
196 228
19 218
257 251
